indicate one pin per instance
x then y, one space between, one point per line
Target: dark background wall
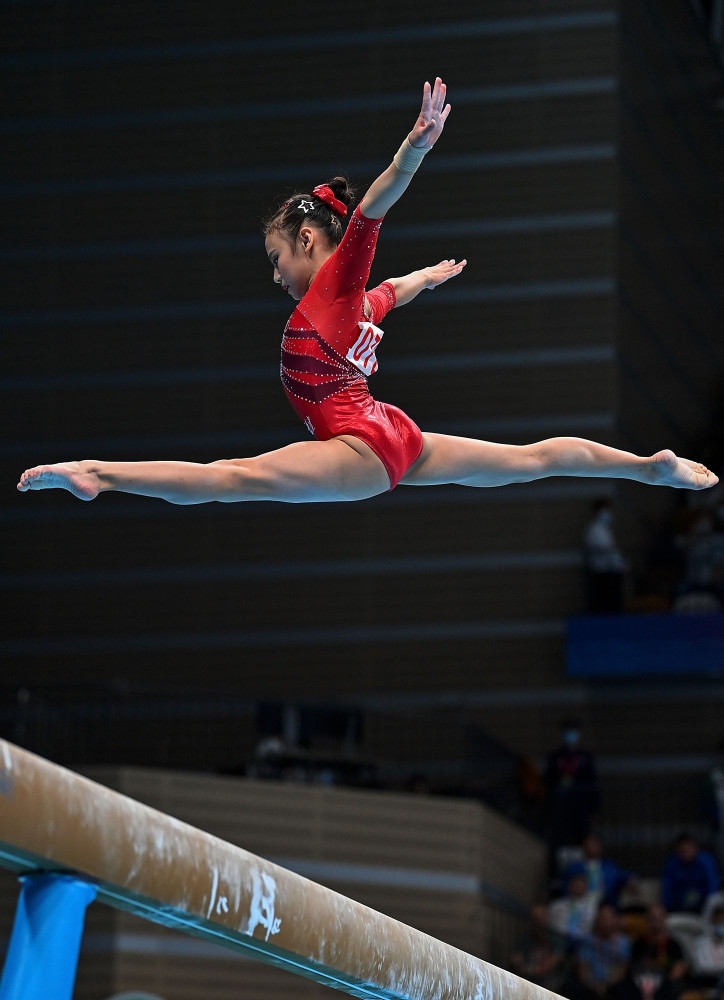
580 176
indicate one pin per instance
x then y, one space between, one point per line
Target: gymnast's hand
436 274
433 115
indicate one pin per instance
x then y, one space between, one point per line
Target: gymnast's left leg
342 468
469 462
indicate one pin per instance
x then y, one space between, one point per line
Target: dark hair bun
341 189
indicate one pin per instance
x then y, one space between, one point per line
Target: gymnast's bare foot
666 469
72 476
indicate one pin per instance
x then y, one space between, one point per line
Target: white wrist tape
408 158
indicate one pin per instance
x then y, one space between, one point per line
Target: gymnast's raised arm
393 182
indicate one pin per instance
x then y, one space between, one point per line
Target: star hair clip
306 206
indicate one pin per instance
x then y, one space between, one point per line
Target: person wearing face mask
572 790
605 566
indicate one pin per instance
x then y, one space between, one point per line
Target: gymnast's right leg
342 468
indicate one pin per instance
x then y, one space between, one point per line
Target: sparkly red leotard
328 350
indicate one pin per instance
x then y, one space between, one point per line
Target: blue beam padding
42 957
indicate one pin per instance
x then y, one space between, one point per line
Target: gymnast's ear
307 235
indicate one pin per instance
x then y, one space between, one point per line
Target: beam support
42 957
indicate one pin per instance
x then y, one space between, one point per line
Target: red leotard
328 349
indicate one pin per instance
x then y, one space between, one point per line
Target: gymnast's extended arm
410 285
393 182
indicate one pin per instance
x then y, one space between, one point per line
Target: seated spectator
541 955
572 915
708 958
657 950
603 876
603 958
644 980
689 876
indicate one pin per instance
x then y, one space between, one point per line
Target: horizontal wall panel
259 540
506 324
89 98
415 664
693 727
499 258
185 148
440 598
42 31
237 207
284 822
570 390
220 70
227 409
174 970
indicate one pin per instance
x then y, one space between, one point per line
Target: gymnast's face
293 264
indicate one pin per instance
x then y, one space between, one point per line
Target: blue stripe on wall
343 635
309 42
237 308
576 87
497 160
522 224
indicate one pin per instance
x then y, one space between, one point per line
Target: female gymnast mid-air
362 447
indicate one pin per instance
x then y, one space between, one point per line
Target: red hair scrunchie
325 192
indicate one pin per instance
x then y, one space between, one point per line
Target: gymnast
362 447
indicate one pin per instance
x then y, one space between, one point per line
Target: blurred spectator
573 913
541 955
708 958
604 565
572 786
657 949
703 548
688 877
644 981
531 794
418 784
603 876
603 957
714 802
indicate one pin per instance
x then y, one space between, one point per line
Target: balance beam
53 820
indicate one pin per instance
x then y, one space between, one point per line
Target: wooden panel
287 821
